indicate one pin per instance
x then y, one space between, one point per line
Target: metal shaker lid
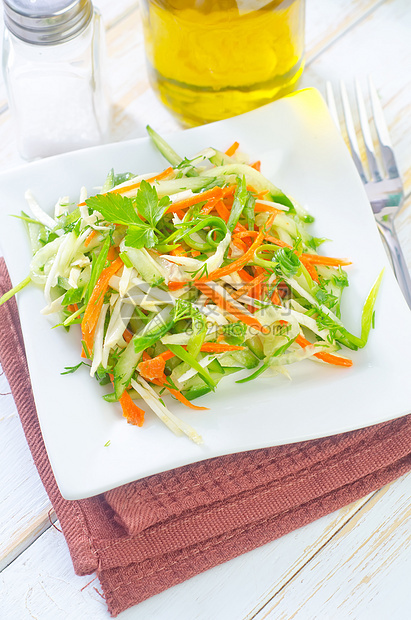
47 22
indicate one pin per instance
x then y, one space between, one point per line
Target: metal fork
382 182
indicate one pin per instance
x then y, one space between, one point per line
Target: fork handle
387 230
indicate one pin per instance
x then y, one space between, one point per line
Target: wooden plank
362 572
47 581
23 500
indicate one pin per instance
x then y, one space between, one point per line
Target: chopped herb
68 370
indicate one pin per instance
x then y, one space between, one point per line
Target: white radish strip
54 271
74 276
310 323
83 261
118 323
113 298
114 282
83 194
86 218
42 258
206 361
213 313
133 181
165 414
125 280
61 206
159 320
156 293
187 193
72 249
135 298
233 280
185 261
55 306
151 306
235 251
38 212
291 282
98 341
214 262
182 338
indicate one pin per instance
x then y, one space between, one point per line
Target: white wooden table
354 563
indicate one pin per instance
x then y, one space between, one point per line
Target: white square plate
301 152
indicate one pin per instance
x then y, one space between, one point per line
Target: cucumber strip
186 357
165 149
14 290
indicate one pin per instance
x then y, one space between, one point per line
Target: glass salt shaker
53 65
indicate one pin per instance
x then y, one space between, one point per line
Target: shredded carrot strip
195 253
160 381
232 149
227 306
213 193
325 357
258 288
153 368
93 309
244 275
310 268
326 260
209 206
122 190
156 177
259 208
175 285
90 237
132 413
112 253
281 244
180 251
246 233
178 395
72 308
242 260
127 335
222 210
248 288
239 244
215 347
256 165
275 298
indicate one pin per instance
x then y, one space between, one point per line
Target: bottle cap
47 22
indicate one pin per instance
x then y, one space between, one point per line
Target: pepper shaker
53 65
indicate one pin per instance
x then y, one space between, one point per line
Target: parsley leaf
138 238
148 204
115 208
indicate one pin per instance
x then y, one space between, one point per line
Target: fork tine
352 137
365 128
383 136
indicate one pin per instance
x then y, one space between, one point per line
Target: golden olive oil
214 59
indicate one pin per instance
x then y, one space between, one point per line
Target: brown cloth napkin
149 535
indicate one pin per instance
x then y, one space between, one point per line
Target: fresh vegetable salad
180 278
